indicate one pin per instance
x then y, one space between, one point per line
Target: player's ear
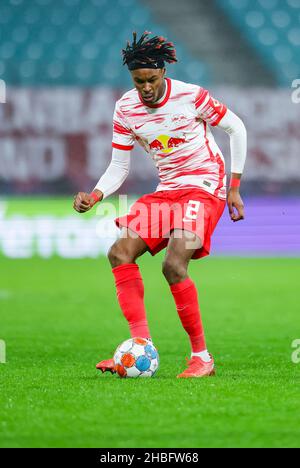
162 73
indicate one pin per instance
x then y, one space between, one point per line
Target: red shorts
153 217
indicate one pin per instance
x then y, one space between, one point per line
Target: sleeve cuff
122 147
216 122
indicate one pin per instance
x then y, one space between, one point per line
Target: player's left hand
83 202
235 204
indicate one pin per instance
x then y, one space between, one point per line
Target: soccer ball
136 357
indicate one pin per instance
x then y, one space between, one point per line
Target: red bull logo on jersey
165 143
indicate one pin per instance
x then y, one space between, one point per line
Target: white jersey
176 133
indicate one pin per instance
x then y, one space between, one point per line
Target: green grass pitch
58 318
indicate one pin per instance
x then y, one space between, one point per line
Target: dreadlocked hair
148 51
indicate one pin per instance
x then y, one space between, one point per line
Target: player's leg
181 247
129 285
126 249
129 282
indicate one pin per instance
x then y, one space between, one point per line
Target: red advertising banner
58 140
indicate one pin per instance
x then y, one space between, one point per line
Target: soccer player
171 120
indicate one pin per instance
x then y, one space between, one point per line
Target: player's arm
117 171
216 114
111 180
235 128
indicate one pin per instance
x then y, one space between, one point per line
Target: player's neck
163 94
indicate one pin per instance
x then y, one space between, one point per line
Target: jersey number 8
192 210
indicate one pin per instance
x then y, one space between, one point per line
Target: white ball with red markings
136 357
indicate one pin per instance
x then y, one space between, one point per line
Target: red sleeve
209 108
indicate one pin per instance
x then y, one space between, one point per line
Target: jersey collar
168 93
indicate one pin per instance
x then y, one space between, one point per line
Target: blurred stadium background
61 62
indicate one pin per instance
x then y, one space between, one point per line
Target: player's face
150 83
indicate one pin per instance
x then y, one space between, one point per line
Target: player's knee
118 255
174 271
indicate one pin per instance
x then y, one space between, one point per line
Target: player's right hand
83 202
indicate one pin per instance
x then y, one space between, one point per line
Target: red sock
130 293
186 299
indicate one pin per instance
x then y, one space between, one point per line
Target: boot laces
193 362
